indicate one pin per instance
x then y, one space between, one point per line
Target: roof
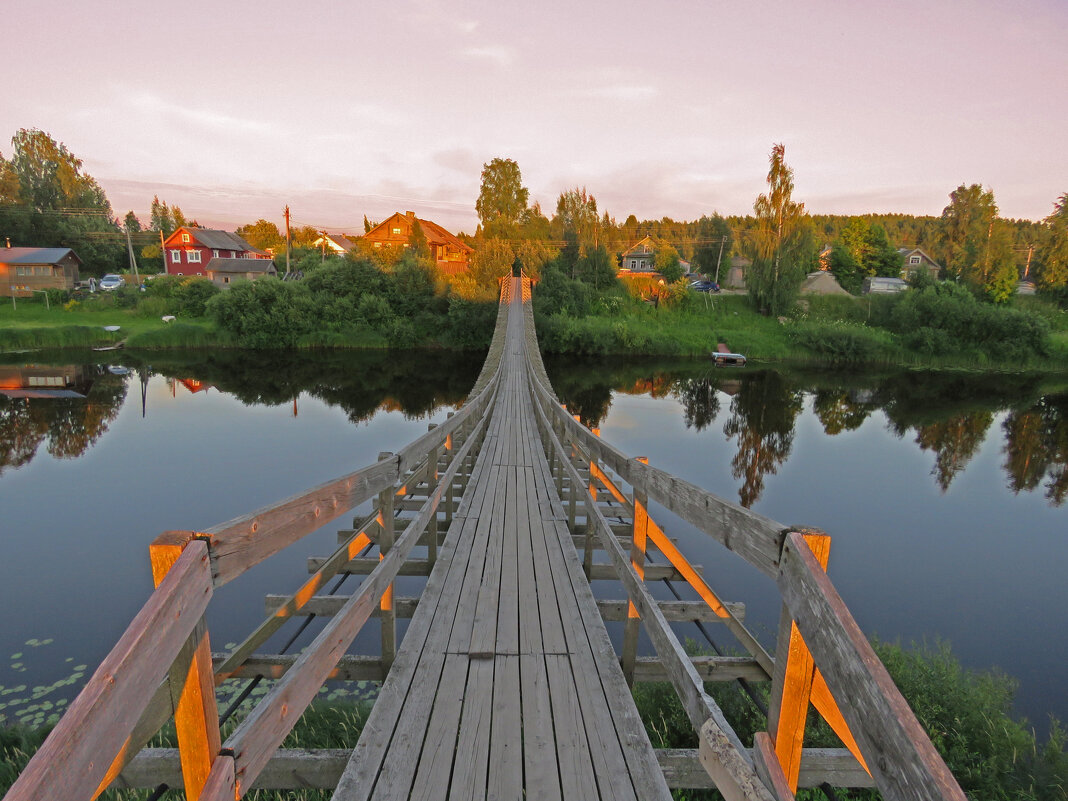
910 251
434 233
35 255
643 240
215 239
341 241
221 265
821 283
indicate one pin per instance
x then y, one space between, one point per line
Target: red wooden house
218 255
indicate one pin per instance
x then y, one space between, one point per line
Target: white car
112 281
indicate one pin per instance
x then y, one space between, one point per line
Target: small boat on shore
724 358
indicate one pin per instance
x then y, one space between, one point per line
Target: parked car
112 281
704 286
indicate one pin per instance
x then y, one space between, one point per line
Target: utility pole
163 250
287 239
129 248
722 242
322 238
1030 252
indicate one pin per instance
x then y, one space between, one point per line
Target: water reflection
69 407
949 415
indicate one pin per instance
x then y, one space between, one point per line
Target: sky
234 109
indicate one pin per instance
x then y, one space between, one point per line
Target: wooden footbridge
506 683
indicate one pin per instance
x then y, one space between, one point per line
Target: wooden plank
572 748
436 759
902 759
246 541
610 609
770 770
506 745
475 630
74 758
471 767
542 779
320 769
508 605
220 784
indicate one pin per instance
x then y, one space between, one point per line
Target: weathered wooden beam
327 605
320 769
902 758
74 759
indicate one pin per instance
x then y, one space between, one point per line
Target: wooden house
226 271
335 243
450 253
188 251
639 257
916 260
26 270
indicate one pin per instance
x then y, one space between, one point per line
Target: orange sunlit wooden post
797 682
385 543
191 681
448 489
638 538
590 501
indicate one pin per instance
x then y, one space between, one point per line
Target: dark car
705 286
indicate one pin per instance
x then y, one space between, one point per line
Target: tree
596 268
131 223
666 262
491 260
576 212
863 250
502 198
714 244
976 245
780 241
1054 274
261 234
417 244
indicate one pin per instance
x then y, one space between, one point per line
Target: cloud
499 54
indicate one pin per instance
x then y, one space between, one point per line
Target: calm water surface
944 494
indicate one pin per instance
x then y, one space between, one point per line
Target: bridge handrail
69 764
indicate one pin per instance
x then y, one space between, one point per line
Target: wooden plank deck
506 684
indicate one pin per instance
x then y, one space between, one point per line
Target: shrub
838 342
471 324
264 314
374 311
193 295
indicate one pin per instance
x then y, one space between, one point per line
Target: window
633 263
226 279
176 257
378 244
193 256
396 230
914 259
185 237
215 254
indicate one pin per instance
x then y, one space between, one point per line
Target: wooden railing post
431 484
791 686
639 536
385 542
449 456
191 680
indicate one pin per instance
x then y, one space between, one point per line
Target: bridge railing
822 656
162 665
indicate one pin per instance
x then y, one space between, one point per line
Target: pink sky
231 110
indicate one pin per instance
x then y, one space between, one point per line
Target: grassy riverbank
939 327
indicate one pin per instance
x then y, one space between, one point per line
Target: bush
193 295
264 314
374 311
838 342
471 324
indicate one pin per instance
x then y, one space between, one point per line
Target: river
944 493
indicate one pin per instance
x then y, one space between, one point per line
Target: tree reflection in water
763 414
948 414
